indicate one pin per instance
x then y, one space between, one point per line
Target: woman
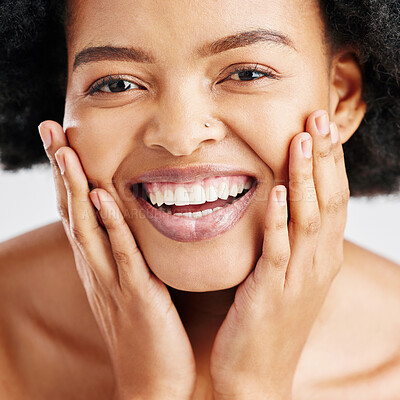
236 115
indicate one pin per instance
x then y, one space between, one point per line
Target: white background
27 201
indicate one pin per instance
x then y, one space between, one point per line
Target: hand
257 347
149 349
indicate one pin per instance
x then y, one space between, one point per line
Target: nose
183 123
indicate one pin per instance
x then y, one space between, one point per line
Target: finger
304 223
53 138
132 268
338 156
331 198
84 228
272 265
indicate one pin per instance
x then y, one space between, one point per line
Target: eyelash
108 80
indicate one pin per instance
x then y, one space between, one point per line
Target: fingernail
61 162
306 147
322 122
95 199
45 135
280 195
334 133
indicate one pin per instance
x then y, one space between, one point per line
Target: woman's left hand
258 346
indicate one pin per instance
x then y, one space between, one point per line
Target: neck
202 313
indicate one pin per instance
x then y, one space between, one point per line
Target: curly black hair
33 69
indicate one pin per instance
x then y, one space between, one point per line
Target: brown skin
163 126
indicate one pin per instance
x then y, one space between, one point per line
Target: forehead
174 28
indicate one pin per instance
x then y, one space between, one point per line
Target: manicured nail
334 133
45 135
95 199
322 122
306 147
61 162
280 194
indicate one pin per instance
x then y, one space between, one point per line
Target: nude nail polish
46 137
322 123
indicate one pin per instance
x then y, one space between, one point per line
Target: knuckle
280 224
300 178
323 154
78 236
121 257
339 156
279 259
337 202
311 225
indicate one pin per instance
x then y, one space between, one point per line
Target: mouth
194 210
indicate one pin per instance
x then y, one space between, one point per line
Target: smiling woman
197 155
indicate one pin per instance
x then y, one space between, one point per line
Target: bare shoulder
357 334
366 298
45 315
39 260
377 278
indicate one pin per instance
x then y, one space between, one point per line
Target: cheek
101 137
269 121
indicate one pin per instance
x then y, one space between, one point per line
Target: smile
194 210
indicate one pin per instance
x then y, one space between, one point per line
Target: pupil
118 86
247 75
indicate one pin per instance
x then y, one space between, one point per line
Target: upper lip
190 173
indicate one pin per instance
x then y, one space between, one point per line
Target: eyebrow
241 39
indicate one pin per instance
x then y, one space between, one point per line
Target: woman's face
149 113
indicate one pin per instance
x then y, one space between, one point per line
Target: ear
347 108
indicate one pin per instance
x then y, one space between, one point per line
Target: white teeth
181 197
233 190
206 212
153 198
169 197
159 198
223 190
197 195
197 214
211 193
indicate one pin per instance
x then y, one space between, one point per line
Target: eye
245 74
112 84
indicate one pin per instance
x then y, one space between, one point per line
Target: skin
145 131
161 126
282 272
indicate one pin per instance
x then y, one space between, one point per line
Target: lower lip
186 229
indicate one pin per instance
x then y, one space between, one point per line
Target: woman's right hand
149 348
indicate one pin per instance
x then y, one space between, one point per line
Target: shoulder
357 334
42 244
37 260
44 308
366 300
38 276
373 277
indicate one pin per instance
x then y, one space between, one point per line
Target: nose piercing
207 125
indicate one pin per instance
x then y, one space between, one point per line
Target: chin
208 265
